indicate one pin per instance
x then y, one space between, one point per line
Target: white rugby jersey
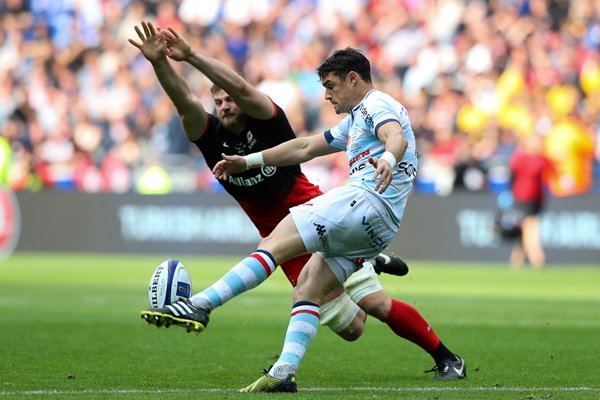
357 135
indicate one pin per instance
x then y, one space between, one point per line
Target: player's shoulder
377 98
278 117
381 103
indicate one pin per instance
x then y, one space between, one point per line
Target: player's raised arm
292 152
251 100
154 47
396 144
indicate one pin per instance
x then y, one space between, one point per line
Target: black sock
441 354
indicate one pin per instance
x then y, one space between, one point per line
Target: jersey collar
356 107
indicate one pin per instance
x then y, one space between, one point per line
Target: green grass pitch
70 329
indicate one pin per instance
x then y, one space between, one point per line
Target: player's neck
362 90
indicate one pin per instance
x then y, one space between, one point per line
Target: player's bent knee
339 314
377 304
362 283
356 328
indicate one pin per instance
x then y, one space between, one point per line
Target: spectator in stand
459 66
530 169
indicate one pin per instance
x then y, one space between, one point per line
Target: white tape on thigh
362 283
338 313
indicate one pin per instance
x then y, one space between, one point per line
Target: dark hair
214 89
341 62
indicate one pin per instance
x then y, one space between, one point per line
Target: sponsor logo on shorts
376 241
322 231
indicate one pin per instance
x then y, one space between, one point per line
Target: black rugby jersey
266 186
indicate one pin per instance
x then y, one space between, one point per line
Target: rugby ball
169 283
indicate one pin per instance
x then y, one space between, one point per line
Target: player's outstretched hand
229 165
153 46
383 171
177 47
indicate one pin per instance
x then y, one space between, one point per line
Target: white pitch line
310 389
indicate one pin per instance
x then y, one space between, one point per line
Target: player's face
230 115
338 92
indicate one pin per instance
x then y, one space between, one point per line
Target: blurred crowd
80 108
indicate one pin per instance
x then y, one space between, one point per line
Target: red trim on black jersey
275 112
208 117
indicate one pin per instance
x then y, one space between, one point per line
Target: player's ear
352 78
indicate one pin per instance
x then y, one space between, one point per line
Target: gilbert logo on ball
10 222
169 283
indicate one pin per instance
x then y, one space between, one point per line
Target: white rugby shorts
342 225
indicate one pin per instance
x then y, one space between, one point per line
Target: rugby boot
450 370
391 265
267 383
182 313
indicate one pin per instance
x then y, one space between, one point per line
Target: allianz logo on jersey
265 172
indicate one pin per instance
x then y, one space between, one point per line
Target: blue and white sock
304 322
246 275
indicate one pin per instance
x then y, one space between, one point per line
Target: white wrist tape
389 157
254 160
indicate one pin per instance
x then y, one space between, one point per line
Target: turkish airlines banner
459 227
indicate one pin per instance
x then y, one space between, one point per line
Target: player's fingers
146 29
219 172
217 168
136 44
174 32
378 171
384 180
152 29
228 157
168 35
379 184
377 177
385 185
139 33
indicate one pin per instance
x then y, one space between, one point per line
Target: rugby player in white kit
347 224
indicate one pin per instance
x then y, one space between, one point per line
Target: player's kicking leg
193 313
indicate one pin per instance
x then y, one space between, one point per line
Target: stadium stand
82 111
